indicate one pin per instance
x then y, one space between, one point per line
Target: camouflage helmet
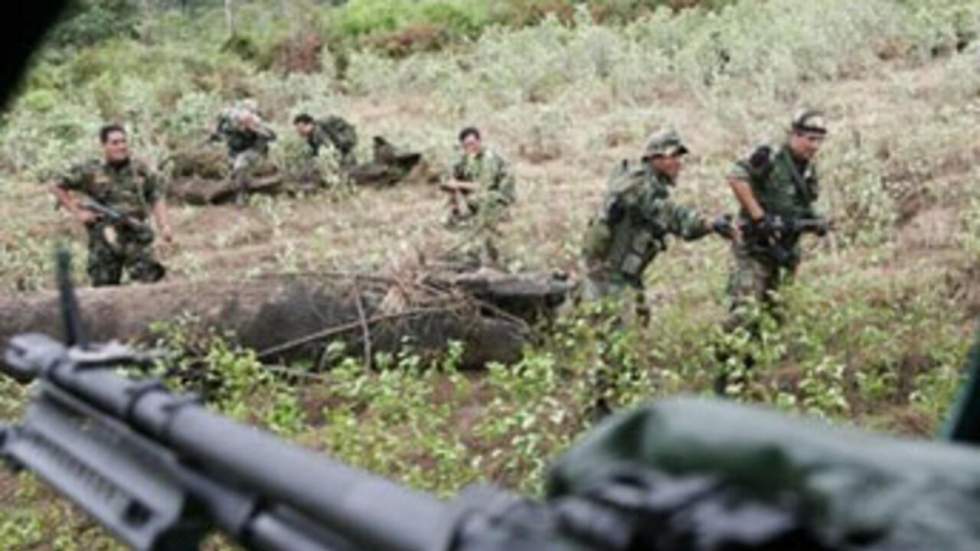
666 143
809 120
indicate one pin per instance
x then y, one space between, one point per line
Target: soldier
333 130
248 140
481 190
776 190
483 185
634 220
120 194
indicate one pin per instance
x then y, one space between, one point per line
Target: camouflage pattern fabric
497 187
786 188
478 217
339 134
239 137
132 189
631 227
129 251
665 143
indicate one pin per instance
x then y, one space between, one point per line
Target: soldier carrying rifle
121 193
776 190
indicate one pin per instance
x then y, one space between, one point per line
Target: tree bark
266 313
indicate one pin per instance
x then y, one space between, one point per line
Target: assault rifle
457 196
115 217
775 238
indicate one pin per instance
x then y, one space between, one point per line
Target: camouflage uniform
131 189
247 148
497 189
784 187
479 213
632 225
340 135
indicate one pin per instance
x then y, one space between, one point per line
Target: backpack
342 134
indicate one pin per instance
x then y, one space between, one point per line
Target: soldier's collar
117 166
788 151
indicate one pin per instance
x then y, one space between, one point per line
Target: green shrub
88 22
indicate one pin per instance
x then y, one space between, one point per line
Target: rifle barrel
344 499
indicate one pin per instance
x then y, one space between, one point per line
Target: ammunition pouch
633 251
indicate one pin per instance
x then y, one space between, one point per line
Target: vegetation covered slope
878 320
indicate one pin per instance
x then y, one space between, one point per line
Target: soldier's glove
770 226
722 225
822 228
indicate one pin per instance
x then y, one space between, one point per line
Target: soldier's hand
167 234
87 217
722 225
771 225
823 227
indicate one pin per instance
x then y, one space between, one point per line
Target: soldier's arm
255 124
457 185
458 171
161 217
154 196
503 186
746 199
685 222
738 180
62 189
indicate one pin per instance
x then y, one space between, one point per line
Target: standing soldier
480 193
247 138
634 220
776 190
333 130
120 193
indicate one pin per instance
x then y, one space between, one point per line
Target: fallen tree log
199 191
285 318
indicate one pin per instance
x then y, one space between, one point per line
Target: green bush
88 22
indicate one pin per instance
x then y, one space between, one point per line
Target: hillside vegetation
877 322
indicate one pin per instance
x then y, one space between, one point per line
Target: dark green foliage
87 22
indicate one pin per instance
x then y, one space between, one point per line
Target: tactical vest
341 133
778 184
782 189
636 234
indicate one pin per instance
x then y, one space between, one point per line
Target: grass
879 318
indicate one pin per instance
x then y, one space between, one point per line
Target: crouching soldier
247 138
333 131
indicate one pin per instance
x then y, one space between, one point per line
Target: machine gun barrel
343 500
